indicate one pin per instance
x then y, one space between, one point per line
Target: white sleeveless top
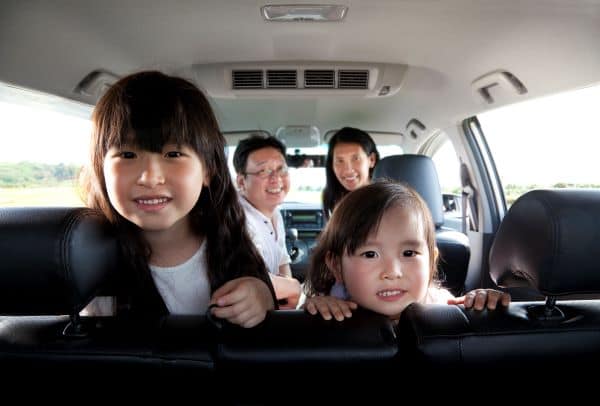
184 288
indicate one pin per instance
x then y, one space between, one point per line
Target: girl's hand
479 299
327 306
287 288
243 301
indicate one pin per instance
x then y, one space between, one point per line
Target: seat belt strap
469 200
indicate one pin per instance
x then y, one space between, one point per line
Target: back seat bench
548 241
55 261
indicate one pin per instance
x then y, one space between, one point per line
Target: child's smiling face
156 191
391 269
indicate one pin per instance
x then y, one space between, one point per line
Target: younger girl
159 173
378 251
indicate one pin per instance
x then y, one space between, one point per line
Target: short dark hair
248 145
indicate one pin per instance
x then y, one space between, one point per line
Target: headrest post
547 313
550 306
75 328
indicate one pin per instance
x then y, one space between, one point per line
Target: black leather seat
419 172
54 260
549 241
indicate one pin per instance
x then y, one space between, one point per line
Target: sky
548 140
29 133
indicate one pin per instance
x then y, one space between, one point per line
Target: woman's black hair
334 190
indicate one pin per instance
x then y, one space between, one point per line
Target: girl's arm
479 299
288 289
243 301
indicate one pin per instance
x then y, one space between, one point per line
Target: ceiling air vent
282 79
353 79
319 79
302 80
247 79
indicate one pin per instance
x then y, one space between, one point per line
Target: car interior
444 89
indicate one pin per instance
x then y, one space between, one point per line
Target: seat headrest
53 260
418 171
550 240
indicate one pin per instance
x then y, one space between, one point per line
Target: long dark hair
148 110
358 215
334 190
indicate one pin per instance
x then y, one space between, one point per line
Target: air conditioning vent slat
319 79
247 79
282 79
353 79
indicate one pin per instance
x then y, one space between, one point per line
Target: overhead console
255 79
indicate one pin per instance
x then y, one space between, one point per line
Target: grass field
40 196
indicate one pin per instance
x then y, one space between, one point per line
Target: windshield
307 180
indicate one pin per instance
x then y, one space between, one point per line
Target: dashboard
303 224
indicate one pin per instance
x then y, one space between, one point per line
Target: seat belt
469 201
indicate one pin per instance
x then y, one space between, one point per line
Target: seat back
53 259
549 241
53 262
418 171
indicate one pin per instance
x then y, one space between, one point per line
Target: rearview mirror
305 160
299 136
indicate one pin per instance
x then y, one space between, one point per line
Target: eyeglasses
267 173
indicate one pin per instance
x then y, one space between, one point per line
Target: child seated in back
158 172
378 251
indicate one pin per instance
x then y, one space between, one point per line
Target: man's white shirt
268 236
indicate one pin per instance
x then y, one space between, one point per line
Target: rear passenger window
550 142
448 169
43 144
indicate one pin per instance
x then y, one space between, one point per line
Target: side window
448 169
550 142
43 144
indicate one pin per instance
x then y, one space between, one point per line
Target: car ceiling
549 45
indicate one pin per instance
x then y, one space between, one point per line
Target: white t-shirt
268 238
184 288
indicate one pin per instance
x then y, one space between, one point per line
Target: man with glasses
263 182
